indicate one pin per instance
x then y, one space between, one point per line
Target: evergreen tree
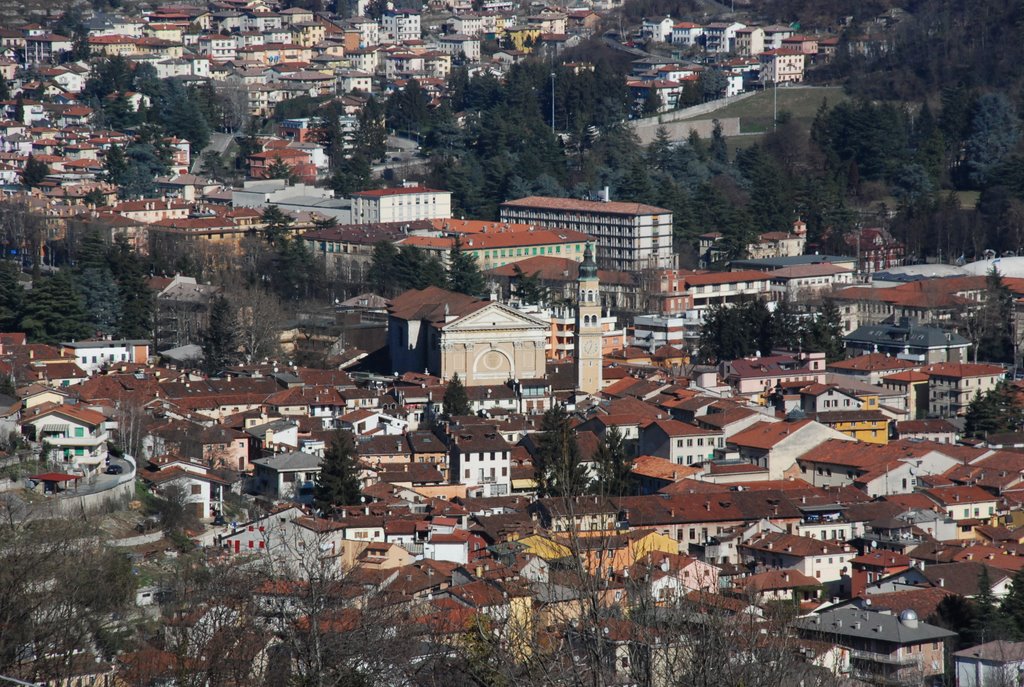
999 410
137 300
338 481
464 274
35 172
220 340
718 149
1011 610
614 466
275 224
557 467
91 253
992 325
825 332
116 165
786 327
12 296
382 268
456 400
55 312
102 298
279 169
529 287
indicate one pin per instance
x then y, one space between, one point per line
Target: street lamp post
552 102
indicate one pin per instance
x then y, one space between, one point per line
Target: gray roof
284 462
905 335
776 263
273 425
999 651
853 622
185 353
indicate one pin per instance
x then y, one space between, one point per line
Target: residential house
824 561
288 476
776 446
883 648
952 386
679 442
68 433
481 459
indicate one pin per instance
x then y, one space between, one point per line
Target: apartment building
630 236
402 204
400 25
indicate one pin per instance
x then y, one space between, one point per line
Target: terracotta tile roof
954 495
592 206
961 370
766 435
772 580
433 304
794 545
871 362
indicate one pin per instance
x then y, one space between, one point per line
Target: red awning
55 477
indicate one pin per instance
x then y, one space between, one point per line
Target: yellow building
523 37
869 426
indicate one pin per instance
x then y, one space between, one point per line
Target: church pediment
496 316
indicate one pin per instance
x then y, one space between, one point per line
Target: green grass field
755 112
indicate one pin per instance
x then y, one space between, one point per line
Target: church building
445 333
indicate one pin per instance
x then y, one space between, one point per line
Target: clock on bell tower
588 335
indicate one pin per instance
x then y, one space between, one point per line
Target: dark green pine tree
993 323
464 274
1011 610
220 340
456 400
614 466
137 300
12 296
786 327
275 224
382 274
825 332
102 298
55 311
91 253
35 172
338 481
557 465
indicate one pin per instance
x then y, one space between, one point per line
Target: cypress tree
220 343
464 274
557 467
456 401
338 481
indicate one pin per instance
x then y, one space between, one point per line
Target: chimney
941 581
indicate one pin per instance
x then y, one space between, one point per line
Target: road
401 155
218 143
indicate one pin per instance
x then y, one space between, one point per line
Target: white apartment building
686 33
218 48
782 66
93 355
482 458
459 44
400 25
402 204
630 236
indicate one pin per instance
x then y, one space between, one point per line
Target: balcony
887 659
86 441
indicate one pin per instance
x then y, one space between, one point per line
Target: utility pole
552 101
775 100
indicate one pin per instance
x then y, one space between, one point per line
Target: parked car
114 469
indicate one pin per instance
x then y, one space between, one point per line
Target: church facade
445 333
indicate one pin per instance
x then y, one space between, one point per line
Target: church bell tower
588 327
